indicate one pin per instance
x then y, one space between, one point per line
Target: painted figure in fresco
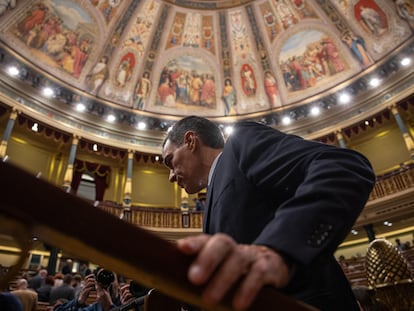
229 98
143 89
357 47
331 54
195 88
248 80
208 91
166 91
35 17
108 8
405 9
371 18
182 85
272 90
98 75
124 71
4 4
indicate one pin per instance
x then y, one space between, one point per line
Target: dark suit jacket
298 197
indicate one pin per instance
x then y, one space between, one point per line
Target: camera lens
105 277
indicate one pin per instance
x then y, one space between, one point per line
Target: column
7 133
67 180
340 139
185 217
369 229
407 137
126 203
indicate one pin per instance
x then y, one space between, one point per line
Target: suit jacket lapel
207 208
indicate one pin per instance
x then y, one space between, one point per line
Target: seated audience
27 297
43 292
37 280
108 295
63 291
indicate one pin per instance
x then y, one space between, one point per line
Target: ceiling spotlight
95 147
48 92
110 118
344 98
80 107
228 130
35 127
142 125
286 120
374 82
387 223
315 111
157 158
406 61
13 71
354 232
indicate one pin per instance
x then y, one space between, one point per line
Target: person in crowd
37 280
277 208
63 291
77 282
67 267
58 279
10 302
84 269
43 292
27 296
108 296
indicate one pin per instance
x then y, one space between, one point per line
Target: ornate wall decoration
58 34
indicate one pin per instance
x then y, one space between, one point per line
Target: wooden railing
387 185
393 182
137 253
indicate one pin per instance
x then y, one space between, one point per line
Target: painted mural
187 83
370 17
244 59
59 33
108 8
192 30
138 35
309 57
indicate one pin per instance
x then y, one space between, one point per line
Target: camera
137 290
104 277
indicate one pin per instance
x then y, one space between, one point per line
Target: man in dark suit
277 208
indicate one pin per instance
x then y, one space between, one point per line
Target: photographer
108 293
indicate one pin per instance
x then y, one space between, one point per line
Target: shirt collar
213 167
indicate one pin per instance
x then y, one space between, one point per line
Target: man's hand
87 287
126 295
221 262
103 297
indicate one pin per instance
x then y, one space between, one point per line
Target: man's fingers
215 250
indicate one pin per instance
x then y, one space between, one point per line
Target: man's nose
171 178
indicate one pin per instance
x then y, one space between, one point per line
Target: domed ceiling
219 59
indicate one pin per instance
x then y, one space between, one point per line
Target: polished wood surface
60 219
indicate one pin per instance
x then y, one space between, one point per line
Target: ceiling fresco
211 58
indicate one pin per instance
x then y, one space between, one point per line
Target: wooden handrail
69 222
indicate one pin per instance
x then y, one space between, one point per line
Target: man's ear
190 139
